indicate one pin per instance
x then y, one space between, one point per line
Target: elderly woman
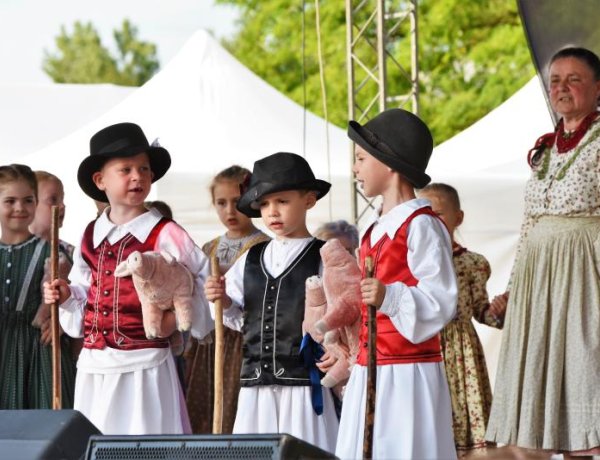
547 393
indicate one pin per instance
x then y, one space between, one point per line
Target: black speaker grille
278 446
194 451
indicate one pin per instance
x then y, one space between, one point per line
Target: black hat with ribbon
400 140
119 141
279 172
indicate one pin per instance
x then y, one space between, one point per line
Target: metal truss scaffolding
383 69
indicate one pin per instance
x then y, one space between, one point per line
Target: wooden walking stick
56 369
371 373
218 388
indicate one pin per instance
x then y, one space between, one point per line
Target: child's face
225 197
445 209
126 181
373 176
50 193
284 213
17 207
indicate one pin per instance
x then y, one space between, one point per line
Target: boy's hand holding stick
218 403
56 368
371 373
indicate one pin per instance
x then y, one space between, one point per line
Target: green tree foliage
82 58
473 56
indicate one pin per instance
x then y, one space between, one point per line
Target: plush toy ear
168 257
122 270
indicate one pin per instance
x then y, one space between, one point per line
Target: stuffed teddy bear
161 283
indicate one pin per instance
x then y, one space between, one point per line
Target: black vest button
104 332
105 313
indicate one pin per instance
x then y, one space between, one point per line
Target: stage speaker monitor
44 434
203 447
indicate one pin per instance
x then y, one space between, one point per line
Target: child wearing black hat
414 290
126 383
263 296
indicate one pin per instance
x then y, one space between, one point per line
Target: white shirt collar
390 222
291 241
140 227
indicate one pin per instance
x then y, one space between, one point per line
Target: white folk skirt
287 409
143 400
413 413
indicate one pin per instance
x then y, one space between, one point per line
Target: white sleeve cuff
233 317
392 300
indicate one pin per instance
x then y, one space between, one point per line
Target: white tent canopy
33 116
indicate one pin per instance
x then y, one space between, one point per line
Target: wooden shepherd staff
218 402
371 372
56 374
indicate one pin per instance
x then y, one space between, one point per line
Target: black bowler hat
119 141
277 173
400 140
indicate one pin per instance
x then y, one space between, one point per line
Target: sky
28 27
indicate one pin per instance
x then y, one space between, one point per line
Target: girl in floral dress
464 360
240 236
25 361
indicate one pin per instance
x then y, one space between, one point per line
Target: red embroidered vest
391 265
113 313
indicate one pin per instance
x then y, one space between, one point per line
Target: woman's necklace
567 139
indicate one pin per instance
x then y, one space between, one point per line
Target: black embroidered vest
273 314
